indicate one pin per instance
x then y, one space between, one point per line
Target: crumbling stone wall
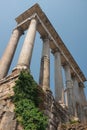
55 112
7 114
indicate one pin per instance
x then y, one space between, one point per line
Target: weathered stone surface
8 122
7 115
75 126
55 112
19 127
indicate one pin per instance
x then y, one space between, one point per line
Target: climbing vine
26 102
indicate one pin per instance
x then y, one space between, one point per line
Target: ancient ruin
59 109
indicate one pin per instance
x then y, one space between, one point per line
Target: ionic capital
55 50
65 64
45 37
20 30
81 84
74 76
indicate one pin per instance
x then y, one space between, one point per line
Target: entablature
46 28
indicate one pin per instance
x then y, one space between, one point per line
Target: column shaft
59 88
75 94
44 79
77 98
9 53
68 86
26 52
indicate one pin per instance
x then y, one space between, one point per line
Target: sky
69 18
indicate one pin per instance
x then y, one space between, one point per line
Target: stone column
27 49
44 79
75 95
59 88
7 57
69 86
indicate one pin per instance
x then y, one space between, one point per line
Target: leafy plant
27 100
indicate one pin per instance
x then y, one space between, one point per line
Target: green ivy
27 100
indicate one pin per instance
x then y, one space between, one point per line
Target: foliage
26 102
74 122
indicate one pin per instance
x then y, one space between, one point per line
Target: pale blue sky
69 18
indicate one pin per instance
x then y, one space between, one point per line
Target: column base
46 89
18 69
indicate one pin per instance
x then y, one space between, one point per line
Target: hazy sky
69 18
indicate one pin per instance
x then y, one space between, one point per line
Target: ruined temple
68 102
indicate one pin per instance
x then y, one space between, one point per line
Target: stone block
8 122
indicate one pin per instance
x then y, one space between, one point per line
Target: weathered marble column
44 79
75 95
7 57
59 88
27 49
69 86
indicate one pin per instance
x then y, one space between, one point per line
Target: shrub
26 100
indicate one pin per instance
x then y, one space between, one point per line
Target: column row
25 60
26 52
